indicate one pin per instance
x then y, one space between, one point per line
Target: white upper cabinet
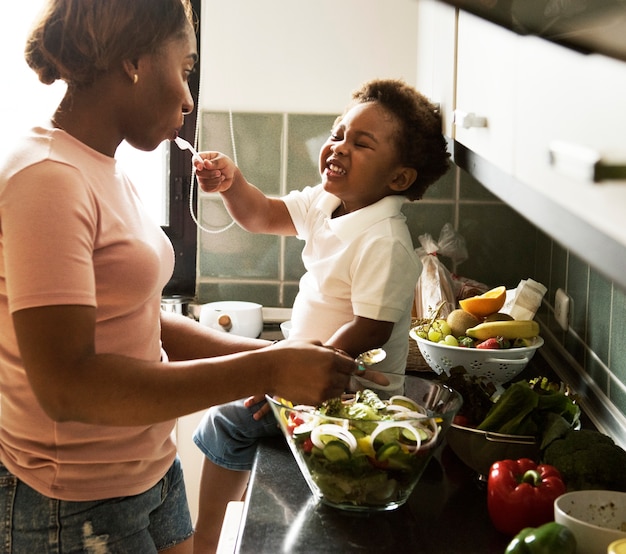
436 49
569 131
485 89
550 120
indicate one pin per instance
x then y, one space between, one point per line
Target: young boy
358 289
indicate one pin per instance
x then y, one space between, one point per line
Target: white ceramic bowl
285 327
497 366
596 518
232 316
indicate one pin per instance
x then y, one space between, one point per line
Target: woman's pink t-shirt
73 231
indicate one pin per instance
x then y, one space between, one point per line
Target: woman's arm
74 383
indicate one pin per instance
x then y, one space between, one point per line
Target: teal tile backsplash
279 152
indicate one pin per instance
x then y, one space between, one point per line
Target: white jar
232 316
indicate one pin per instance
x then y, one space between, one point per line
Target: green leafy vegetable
530 407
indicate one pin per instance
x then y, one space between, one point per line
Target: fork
184 145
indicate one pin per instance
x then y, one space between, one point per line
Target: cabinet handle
582 162
468 120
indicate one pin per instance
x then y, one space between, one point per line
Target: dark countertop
446 513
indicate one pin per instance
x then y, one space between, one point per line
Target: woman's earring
135 79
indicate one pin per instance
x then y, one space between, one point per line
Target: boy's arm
361 334
247 205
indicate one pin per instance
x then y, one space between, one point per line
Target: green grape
444 327
434 335
450 340
438 330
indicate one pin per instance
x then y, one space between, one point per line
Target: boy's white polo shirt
361 263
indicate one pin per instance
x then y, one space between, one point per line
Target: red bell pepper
521 494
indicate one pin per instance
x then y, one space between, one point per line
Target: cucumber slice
387 450
409 437
336 451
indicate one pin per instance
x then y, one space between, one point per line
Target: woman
92 372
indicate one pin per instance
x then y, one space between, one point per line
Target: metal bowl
479 450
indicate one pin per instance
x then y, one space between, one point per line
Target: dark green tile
598 373
543 257
215 133
472 189
267 295
306 133
234 253
500 250
617 353
617 395
575 347
444 188
427 217
294 268
599 315
577 290
558 272
257 144
289 293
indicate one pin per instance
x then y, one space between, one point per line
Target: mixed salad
360 450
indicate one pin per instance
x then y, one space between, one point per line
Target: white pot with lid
240 318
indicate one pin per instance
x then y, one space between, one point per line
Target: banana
516 329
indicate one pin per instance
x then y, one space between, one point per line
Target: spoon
184 145
371 357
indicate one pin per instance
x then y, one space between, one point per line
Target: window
26 102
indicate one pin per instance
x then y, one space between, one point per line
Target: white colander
497 366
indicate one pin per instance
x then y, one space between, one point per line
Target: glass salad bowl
371 455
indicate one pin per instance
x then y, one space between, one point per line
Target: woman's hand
308 373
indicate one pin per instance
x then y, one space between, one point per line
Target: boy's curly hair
421 144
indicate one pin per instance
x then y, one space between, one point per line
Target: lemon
485 304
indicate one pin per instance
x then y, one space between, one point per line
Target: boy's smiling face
359 162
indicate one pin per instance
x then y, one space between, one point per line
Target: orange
485 304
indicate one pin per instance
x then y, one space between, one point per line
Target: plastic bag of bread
435 288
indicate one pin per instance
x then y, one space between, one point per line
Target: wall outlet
561 308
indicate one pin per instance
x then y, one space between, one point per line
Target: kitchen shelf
604 253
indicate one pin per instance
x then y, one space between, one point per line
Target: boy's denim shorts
228 434
146 523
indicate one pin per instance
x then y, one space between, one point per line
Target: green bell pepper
550 538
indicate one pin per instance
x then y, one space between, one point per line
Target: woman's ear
404 179
131 69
